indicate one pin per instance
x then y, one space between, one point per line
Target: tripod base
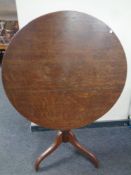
66 136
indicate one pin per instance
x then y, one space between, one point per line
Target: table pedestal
66 136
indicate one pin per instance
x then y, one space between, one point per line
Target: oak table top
64 70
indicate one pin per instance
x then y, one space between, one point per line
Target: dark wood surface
64 70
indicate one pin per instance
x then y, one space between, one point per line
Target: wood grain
64 70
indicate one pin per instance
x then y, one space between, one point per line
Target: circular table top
64 70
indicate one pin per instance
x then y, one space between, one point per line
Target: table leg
66 136
52 148
73 140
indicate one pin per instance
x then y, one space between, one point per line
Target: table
3 46
63 71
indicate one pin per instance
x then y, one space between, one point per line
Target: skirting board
113 123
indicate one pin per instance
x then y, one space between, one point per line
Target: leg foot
85 151
52 148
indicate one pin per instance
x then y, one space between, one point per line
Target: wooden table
62 71
3 46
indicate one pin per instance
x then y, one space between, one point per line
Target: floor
19 147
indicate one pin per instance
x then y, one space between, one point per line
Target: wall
115 13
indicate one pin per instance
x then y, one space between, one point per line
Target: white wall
115 13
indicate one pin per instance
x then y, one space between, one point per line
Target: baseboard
113 123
